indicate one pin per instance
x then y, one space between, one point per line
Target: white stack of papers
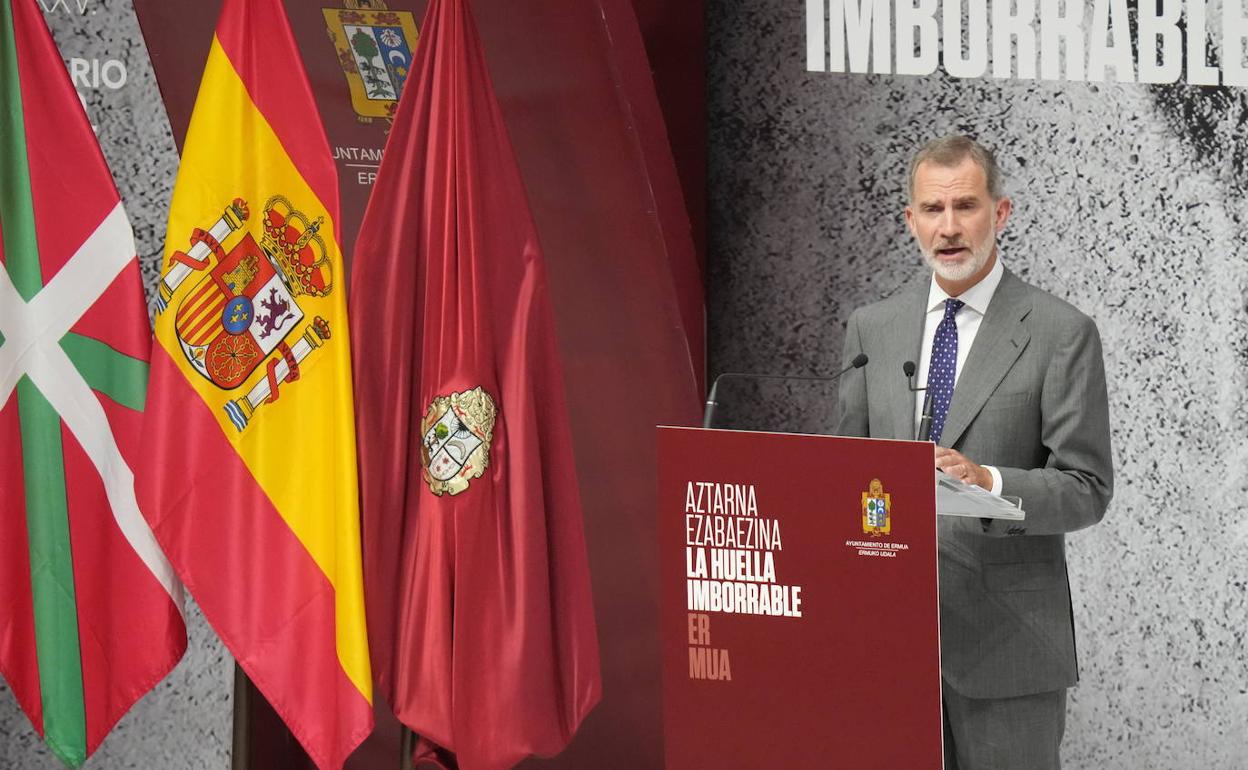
953 498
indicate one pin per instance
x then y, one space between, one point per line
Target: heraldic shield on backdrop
375 48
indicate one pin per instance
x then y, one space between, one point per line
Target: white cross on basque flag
32 334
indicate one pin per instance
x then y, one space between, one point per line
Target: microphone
859 361
924 432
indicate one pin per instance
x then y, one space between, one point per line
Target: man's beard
966 268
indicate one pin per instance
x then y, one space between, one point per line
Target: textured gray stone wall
1130 203
185 722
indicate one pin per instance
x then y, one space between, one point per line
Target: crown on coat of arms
295 246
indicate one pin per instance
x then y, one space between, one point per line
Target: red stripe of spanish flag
202 536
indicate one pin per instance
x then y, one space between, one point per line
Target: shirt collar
977 297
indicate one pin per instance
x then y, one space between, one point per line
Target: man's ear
1004 207
910 221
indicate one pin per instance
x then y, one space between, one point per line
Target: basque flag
90 609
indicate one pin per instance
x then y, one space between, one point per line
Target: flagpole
407 744
241 753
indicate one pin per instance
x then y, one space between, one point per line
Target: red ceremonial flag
251 487
90 609
477 581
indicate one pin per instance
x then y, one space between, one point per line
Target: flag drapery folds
254 495
479 599
90 609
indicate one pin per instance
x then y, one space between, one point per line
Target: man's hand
962 468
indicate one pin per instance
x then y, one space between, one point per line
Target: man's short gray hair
949 151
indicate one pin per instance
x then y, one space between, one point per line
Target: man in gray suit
1020 409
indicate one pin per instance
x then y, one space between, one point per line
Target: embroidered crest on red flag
458 431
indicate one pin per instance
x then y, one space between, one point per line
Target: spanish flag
251 481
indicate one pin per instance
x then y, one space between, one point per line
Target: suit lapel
908 342
1000 341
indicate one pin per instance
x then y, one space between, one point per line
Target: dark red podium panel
798 606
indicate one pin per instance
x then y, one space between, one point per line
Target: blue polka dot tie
943 366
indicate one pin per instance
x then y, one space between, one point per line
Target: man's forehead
936 180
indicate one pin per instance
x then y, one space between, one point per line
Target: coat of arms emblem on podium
876 510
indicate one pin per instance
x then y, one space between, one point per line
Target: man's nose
948 226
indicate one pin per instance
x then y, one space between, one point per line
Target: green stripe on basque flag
116 375
47 518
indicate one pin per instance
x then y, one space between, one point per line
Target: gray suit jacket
1031 401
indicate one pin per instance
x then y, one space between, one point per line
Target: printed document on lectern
953 498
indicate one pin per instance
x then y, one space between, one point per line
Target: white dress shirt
968 320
